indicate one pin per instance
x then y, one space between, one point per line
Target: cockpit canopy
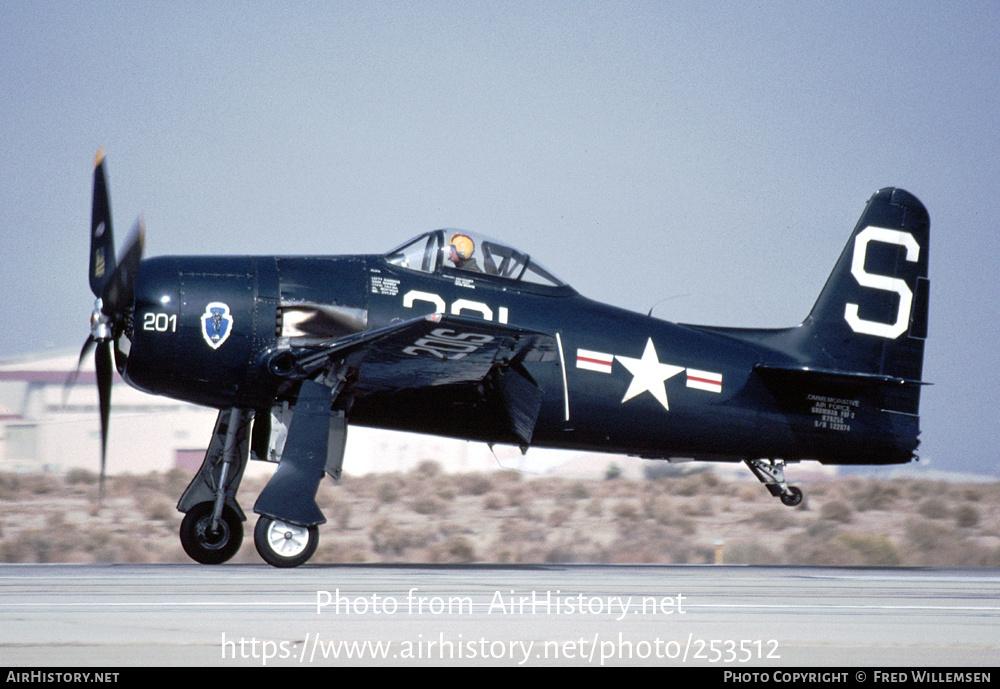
470 252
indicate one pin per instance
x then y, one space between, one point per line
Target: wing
428 367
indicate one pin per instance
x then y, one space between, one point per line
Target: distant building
46 427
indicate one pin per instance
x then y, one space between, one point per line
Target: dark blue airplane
461 335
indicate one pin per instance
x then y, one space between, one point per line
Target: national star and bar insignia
649 374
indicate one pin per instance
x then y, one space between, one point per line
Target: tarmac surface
108 616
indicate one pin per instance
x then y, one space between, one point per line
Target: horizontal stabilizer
884 393
836 376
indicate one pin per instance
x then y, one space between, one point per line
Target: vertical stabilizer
871 317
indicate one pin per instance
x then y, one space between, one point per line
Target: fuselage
208 329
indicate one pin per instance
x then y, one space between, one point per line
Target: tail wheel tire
793 498
285 545
208 546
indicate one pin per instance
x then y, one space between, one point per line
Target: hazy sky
714 155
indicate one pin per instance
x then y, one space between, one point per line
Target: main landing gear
287 532
212 529
771 472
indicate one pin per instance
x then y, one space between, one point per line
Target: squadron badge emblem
216 324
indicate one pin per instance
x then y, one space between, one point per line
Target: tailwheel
207 545
283 544
772 474
793 497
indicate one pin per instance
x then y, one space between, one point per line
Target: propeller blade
71 379
113 283
102 241
118 294
104 367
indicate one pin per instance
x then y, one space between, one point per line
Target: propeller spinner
113 284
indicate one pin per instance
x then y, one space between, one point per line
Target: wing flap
444 350
436 351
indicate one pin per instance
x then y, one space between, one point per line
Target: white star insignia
648 375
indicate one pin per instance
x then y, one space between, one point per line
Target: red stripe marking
603 362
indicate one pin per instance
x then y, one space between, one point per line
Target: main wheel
205 545
793 497
285 545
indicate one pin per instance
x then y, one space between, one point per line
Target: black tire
206 547
793 498
285 545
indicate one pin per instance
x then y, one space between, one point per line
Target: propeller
113 284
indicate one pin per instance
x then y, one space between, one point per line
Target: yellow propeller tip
99 158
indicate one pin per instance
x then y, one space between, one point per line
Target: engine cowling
198 324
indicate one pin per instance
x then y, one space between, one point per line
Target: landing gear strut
771 472
287 531
212 529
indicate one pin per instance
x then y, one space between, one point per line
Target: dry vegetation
429 516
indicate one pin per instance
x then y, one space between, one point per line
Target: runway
108 616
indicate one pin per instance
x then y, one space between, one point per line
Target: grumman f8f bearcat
461 335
